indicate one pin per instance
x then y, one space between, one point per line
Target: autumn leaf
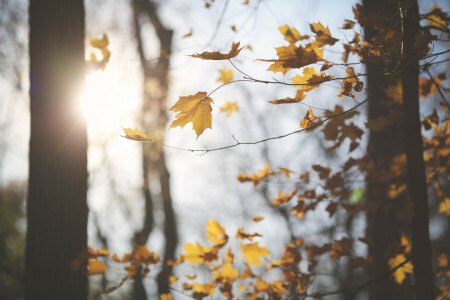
165 296
310 79
96 267
216 233
438 18
343 247
308 119
293 57
226 75
102 45
443 260
253 253
400 273
323 34
291 34
444 206
196 109
242 235
204 289
286 172
300 95
187 34
257 219
257 178
136 135
284 198
220 56
229 108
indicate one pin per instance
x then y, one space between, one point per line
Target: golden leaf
284 198
443 260
444 206
341 248
286 172
220 56
165 296
241 234
206 289
437 17
257 219
298 97
291 34
400 273
226 75
229 108
308 119
136 135
257 178
196 109
216 233
323 34
310 79
101 44
292 57
252 253
96 267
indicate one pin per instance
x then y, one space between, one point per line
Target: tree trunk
57 208
154 119
384 145
417 185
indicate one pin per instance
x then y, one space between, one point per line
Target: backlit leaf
229 108
253 253
195 109
96 267
215 55
136 135
308 119
323 34
291 34
226 75
216 233
400 273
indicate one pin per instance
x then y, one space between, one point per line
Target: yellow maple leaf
136 135
299 96
291 34
205 289
437 17
400 273
226 75
194 253
229 108
101 44
252 253
215 55
445 292
257 219
241 234
292 57
284 198
257 178
310 79
286 172
308 119
196 109
443 260
216 233
444 206
227 274
323 34
165 296
96 267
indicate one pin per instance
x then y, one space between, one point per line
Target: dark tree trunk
56 209
417 185
384 229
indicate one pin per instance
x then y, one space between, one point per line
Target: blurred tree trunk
154 120
384 145
417 184
56 209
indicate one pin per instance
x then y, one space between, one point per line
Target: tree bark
417 184
384 145
56 206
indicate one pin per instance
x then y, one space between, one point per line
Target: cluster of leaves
303 54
